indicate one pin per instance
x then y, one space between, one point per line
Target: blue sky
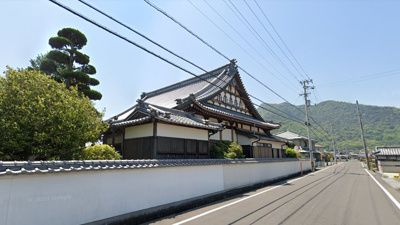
347 47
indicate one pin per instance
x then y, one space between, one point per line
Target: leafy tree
100 152
65 63
291 153
42 120
36 62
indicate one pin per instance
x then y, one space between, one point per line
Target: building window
225 99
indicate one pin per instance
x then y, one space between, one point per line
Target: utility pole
307 103
333 144
362 136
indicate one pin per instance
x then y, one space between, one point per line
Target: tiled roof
394 151
167 115
292 136
262 137
44 167
233 114
199 86
199 89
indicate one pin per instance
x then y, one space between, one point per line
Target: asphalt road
342 194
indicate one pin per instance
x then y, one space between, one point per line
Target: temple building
184 119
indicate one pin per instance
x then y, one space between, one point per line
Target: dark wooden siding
138 148
173 148
167 148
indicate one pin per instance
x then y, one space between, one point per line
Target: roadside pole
333 145
362 136
306 86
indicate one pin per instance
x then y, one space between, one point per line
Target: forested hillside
381 124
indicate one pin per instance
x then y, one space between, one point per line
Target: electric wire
273 39
281 39
245 40
171 52
152 53
239 45
218 52
213 48
259 37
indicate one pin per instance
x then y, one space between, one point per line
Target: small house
388 159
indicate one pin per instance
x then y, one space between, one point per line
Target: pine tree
65 63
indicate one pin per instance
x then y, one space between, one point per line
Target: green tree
65 63
42 120
291 153
36 62
100 152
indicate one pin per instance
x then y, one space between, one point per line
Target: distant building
300 142
184 119
388 159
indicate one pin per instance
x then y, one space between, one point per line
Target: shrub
226 149
291 153
100 152
218 149
234 151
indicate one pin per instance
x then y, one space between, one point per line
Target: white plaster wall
243 140
86 196
215 136
166 130
144 130
226 135
249 174
274 144
81 197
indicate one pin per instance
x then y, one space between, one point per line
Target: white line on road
243 199
396 203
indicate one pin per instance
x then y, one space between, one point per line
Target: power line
140 34
213 48
364 78
272 37
234 41
245 40
150 52
259 37
280 38
169 51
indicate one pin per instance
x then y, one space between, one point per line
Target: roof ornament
154 112
143 95
178 101
232 67
192 96
140 103
167 115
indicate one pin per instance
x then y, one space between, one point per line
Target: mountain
381 124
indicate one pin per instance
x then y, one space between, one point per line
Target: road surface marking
396 203
245 198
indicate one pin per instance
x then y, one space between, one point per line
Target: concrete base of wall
153 213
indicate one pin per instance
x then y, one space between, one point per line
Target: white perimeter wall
81 197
